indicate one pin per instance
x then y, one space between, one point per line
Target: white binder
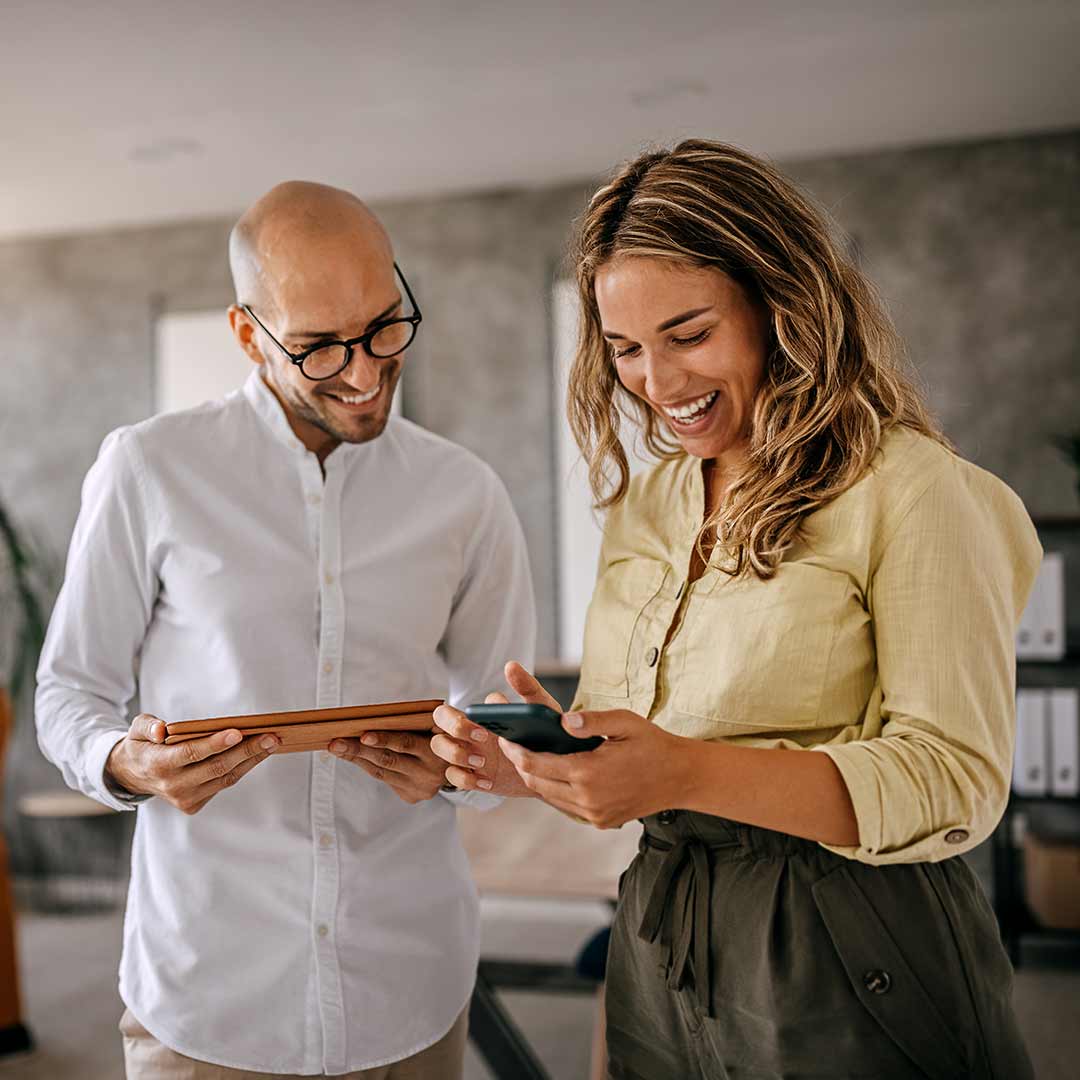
1032 758
1064 742
1041 634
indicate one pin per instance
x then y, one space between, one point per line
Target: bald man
291 546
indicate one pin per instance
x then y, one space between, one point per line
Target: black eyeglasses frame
364 340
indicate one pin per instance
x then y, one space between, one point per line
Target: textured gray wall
976 247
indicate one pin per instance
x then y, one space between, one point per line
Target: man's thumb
147 728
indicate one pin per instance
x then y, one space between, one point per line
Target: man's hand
475 756
188 774
401 759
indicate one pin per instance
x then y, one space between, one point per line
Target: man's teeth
357 399
694 409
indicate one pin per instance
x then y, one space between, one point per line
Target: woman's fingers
457 725
526 686
495 698
467 780
458 753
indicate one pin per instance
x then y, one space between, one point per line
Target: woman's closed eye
680 342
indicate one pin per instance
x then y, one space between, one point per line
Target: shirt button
328 667
877 982
314 499
652 656
666 817
324 755
322 930
329 579
325 840
956 836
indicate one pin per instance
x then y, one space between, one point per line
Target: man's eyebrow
316 335
667 324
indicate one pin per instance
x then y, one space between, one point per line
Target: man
290 546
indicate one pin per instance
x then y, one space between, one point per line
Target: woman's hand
640 769
474 755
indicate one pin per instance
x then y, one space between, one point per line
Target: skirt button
666 817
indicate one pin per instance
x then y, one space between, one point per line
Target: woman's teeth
687 414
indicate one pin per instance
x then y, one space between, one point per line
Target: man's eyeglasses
326 359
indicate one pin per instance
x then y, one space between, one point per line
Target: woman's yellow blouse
885 640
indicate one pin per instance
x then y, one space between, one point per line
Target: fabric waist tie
678 911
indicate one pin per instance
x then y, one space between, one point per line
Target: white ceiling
130 111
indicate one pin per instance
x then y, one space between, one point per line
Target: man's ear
244 331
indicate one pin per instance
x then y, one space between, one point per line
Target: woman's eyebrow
667 324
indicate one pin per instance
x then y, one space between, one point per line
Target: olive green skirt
742 953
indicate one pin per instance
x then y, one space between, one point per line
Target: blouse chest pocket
623 592
756 653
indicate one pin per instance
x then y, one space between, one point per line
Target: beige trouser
147 1059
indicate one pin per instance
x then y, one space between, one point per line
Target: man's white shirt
307 920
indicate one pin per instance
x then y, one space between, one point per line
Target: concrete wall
976 247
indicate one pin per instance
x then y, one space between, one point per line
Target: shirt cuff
868 800
100 787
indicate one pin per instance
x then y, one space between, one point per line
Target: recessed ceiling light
167 149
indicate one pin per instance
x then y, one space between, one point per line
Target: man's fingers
221 762
525 685
400 742
202 794
193 751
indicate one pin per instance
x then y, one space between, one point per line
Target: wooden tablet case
314 729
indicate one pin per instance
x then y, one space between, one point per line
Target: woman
800 651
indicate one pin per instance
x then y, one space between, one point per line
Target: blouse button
652 656
956 836
877 982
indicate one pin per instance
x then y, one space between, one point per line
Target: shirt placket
324 500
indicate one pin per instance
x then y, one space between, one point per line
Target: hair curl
836 378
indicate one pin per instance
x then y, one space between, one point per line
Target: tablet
314 729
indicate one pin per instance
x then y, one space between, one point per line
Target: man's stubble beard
369 427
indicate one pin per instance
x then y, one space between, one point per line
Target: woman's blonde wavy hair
836 378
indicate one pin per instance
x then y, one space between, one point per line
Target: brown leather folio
314 729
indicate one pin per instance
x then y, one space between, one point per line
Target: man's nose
363 372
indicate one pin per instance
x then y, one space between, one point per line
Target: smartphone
536 727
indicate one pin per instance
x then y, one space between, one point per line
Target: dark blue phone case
536 727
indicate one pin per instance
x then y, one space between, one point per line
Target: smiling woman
799 652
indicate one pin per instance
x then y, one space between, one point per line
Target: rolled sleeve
929 777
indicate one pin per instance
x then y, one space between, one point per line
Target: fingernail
337 747
369 740
233 738
574 720
485 784
268 742
477 761
479 734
